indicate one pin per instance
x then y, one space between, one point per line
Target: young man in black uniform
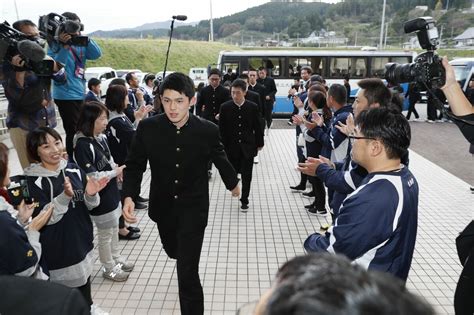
270 91
212 96
241 134
178 146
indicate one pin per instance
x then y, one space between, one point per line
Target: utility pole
355 40
212 24
381 27
16 10
447 5
386 31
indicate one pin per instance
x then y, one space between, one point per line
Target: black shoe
130 236
140 205
314 211
309 194
309 206
209 174
298 187
141 199
133 229
244 207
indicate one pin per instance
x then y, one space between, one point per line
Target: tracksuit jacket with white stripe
377 224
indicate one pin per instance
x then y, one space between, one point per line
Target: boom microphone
31 50
180 17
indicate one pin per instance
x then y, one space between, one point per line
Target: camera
18 190
426 70
14 42
54 24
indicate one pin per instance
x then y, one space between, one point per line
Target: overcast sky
109 15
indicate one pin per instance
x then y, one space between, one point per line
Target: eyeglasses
353 137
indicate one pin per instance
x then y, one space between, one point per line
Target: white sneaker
96 310
115 274
125 265
255 160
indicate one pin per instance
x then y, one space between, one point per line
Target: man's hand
310 166
128 210
297 101
236 191
139 94
450 76
292 92
64 38
267 97
41 219
119 171
17 61
347 128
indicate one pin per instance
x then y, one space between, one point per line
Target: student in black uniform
241 134
179 147
92 154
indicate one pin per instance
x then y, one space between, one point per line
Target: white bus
332 65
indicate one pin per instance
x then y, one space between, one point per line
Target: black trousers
463 297
319 192
411 109
184 244
69 110
86 291
244 166
431 110
268 113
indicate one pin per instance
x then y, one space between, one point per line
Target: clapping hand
25 211
318 119
41 219
68 187
94 185
347 128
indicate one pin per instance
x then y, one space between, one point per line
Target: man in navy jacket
377 223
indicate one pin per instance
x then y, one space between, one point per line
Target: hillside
149 54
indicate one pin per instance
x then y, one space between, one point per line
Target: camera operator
29 98
70 97
463 113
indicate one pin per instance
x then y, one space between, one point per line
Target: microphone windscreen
31 50
180 17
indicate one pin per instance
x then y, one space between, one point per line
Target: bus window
274 65
233 66
353 67
377 66
295 64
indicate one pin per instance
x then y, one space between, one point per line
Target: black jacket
254 97
240 128
179 160
260 89
269 87
211 99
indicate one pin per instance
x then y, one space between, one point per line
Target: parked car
159 75
198 75
464 70
104 74
122 72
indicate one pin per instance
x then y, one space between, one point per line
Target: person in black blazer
211 97
178 146
241 134
270 91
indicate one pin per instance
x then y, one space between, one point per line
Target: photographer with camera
68 47
28 92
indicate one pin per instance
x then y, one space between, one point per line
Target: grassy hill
149 54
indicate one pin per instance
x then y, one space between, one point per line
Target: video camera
14 42
54 24
427 70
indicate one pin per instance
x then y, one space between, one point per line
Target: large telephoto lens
399 73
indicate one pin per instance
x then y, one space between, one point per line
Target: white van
464 70
198 75
104 74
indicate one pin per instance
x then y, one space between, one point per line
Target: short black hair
389 126
214 71
92 82
89 113
149 77
178 82
330 284
316 78
244 76
128 77
308 69
118 81
71 16
20 23
375 91
317 98
114 99
239 83
37 138
338 93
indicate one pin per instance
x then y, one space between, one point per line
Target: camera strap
78 63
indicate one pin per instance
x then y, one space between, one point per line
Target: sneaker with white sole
126 266
115 274
255 160
96 310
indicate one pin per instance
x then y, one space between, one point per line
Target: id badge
79 72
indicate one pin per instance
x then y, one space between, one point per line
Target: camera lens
399 73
